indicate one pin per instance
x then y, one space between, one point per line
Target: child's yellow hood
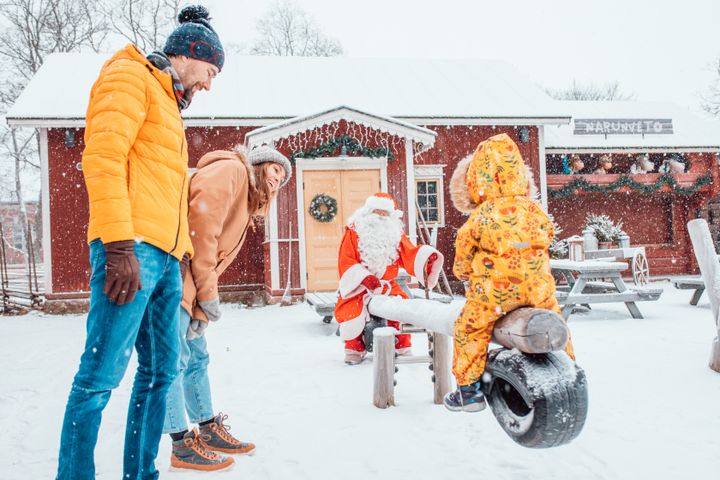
496 169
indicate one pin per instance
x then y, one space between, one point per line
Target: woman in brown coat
226 192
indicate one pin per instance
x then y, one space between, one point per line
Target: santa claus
372 251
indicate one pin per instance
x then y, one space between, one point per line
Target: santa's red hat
381 201
378 201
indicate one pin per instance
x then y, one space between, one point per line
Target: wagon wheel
640 269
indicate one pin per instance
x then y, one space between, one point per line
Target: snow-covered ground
278 373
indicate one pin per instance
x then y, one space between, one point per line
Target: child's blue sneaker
467 398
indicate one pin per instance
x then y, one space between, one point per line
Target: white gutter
37 122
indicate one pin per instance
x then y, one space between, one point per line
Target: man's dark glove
184 264
122 272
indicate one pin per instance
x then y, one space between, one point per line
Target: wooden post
441 367
710 269
384 367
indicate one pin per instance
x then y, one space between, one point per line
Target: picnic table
594 281
638 260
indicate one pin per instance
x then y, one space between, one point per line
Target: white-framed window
429 192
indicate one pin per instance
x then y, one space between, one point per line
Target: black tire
375 322
541 400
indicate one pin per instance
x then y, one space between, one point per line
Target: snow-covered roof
689 131
296 125
255 90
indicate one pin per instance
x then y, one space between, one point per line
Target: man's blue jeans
190 391
150 324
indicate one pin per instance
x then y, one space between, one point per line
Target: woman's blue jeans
190 391
149 324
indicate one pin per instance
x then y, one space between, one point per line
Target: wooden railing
19 285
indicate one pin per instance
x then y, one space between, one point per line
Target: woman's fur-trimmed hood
239 154
495 169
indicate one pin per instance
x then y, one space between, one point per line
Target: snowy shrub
558 248
605 229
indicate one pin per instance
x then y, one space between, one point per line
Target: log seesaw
536 392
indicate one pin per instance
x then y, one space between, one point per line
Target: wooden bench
691 283
323 303
630 295
420 293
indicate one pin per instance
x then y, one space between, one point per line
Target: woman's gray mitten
211 309
196 329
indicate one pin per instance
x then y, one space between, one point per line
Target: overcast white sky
659 50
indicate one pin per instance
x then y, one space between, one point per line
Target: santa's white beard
378 241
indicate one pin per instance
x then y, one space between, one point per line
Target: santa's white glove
196 329
433 263
211 309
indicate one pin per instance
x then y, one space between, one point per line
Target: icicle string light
328 140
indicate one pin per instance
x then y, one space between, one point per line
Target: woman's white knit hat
264 154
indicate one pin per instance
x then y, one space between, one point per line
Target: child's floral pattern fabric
502 250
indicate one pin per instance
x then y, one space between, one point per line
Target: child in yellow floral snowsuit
502 249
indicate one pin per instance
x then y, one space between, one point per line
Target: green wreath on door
323 208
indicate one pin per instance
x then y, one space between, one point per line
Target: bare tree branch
145 23
579 91
30 30
710 99
286 30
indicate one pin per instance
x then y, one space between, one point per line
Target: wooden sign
623 126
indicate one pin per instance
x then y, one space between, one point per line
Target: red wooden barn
406 124
654 206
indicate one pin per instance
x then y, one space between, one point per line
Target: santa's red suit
372 251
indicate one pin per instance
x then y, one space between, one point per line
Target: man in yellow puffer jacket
135 168
502 249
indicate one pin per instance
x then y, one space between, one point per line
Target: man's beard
378 241
188 96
